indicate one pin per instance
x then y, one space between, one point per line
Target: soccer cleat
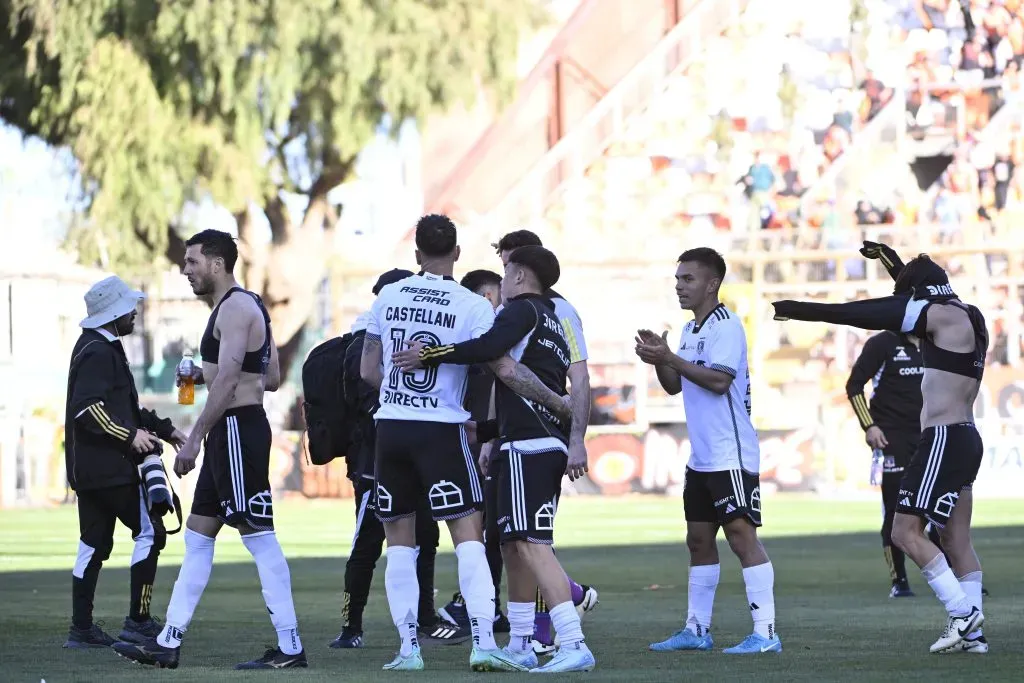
542 648
501 624
755 643
139 631
576 657
455 612
957 629
443 633
274 658
901 589
410 662
524 658
493 660
684 639
347 640
978 646
80 638
149 652
589 602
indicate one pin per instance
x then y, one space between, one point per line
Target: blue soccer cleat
755 644
684 639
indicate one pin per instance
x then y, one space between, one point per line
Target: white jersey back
722 437
436 311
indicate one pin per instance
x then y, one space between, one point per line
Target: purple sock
542 628
576 591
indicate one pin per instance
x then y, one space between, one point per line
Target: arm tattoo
524 382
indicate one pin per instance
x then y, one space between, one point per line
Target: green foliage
162 102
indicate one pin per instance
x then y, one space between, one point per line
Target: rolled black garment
886 313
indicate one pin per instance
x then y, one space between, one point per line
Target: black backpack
329 421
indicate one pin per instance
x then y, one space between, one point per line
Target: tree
242 102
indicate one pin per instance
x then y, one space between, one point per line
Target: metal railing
568 159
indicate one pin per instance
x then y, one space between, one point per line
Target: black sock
83 590
143 575
897 563
425 578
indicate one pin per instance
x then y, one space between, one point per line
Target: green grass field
834 616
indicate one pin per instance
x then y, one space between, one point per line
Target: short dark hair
436 235
706 256
475 279
216 243
516 239
540 261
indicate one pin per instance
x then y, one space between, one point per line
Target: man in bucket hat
108 437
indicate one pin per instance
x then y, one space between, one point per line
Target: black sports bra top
255 362
969 364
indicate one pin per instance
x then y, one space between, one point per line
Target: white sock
403 590
277 588
478 592
520 621
703 583
566 621
188 588
760 582
947 589
971 585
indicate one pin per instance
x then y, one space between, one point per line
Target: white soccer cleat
576 657
589 602
957 629
975 646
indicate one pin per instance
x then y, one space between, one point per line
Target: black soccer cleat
139 631
275 659
901 589
455 612
149 653
81 638
443 633
347 640
501 624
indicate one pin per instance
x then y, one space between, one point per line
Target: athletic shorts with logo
722 496
947 461
529 483
234 479
432 459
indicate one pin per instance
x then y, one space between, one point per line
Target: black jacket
527 330
361 399
102 415
896 368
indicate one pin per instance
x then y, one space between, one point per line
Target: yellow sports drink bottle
186 383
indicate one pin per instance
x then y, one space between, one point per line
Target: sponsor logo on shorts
945 504
445 495
722 501
261 505
383 499
544 518
755 499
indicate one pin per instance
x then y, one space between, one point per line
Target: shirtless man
936 487
239 364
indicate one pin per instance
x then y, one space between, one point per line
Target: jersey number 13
421 381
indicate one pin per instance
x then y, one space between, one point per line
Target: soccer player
722 488
585 597
479 403
239 364
422 436
368 541
891 424
533 454
936 487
